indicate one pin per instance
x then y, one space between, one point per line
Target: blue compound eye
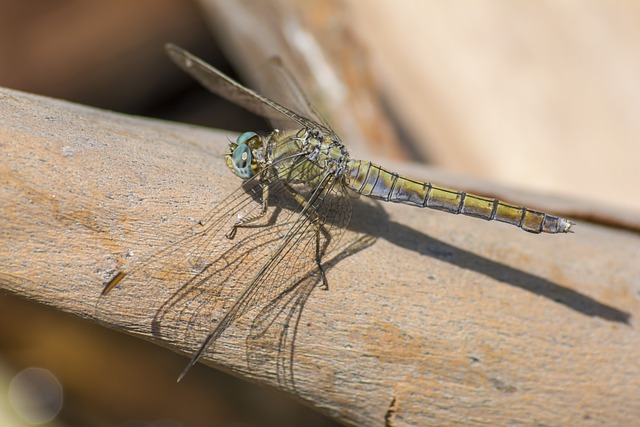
241 160
244 137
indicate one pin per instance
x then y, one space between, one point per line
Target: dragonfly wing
195 279
207 283
278 84
231 90
285 286
290 269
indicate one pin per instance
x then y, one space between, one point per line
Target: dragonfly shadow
423 244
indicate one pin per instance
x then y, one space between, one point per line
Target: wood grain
435 319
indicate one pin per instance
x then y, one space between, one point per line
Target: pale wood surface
440 320
538 95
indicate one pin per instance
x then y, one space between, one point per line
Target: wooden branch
436 320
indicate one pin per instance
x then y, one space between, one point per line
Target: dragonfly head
240 158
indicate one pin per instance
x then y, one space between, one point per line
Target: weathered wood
436 319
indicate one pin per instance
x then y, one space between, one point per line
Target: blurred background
542 96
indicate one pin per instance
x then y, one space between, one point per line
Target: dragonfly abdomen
373 181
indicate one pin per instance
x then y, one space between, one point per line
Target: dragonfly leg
249 219
320 252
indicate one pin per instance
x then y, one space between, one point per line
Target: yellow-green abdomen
374 181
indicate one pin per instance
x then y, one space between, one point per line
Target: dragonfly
264 247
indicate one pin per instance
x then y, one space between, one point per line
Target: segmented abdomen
374 181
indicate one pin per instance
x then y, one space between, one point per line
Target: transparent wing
231 90
270 344
278 84
313 232
202 267
210 283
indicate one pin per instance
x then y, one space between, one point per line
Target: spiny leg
320 252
